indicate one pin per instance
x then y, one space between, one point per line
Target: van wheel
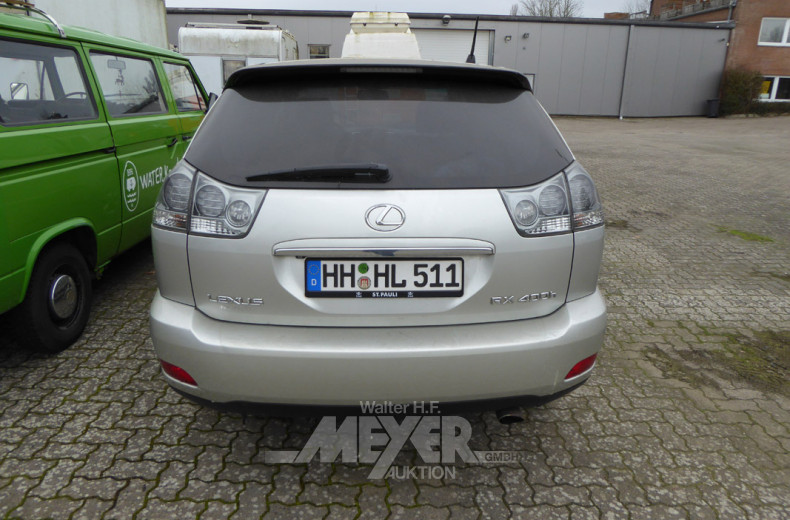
58 300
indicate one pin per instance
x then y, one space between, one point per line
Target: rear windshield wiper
367 172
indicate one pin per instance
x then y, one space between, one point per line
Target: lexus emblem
385 217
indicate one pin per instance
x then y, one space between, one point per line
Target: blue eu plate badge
313 275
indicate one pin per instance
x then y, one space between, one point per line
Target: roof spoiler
327 67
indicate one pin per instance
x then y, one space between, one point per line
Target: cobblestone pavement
686 416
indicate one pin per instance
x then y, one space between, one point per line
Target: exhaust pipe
510 415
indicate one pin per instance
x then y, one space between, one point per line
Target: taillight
172 204
587 210
566 202
540 210
222 210
191 201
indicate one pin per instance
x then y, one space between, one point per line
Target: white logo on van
131 192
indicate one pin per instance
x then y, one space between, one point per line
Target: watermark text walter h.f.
377 440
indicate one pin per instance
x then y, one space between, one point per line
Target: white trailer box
217 49
380 35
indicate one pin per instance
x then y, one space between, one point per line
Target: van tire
58 300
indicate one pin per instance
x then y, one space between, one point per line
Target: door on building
454 45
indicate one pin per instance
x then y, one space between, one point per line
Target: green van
90 125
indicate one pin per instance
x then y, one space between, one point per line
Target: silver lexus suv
345 230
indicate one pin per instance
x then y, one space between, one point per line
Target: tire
58 300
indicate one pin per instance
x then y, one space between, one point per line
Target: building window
775 89
318 51
230 66
531 78
775 31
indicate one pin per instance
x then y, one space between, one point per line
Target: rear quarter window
430 133
185 90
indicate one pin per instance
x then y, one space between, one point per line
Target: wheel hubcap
63 296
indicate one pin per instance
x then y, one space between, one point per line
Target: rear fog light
177 373
581 367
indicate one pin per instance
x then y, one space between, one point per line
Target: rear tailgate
443 141
504 276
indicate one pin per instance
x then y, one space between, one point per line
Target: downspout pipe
625 72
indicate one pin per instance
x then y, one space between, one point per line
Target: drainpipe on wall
625 71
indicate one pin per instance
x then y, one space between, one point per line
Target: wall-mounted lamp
446 19
525 35
508 38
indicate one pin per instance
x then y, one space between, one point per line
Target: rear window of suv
427 132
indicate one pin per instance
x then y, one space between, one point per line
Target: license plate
412 278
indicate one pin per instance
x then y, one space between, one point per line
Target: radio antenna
471 57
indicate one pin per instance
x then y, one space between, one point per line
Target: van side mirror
19 91
212 98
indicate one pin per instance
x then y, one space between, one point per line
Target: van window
130 85
185 91
40 83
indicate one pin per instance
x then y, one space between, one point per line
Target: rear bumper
237 364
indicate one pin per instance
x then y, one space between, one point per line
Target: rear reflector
177 373
581 367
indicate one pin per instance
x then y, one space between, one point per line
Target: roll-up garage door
453 44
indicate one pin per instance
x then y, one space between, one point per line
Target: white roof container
231 39
380 35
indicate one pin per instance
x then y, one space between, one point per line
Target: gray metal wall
584 67
672 71
578 68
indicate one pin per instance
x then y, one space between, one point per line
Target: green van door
90 126
145 131
58 178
